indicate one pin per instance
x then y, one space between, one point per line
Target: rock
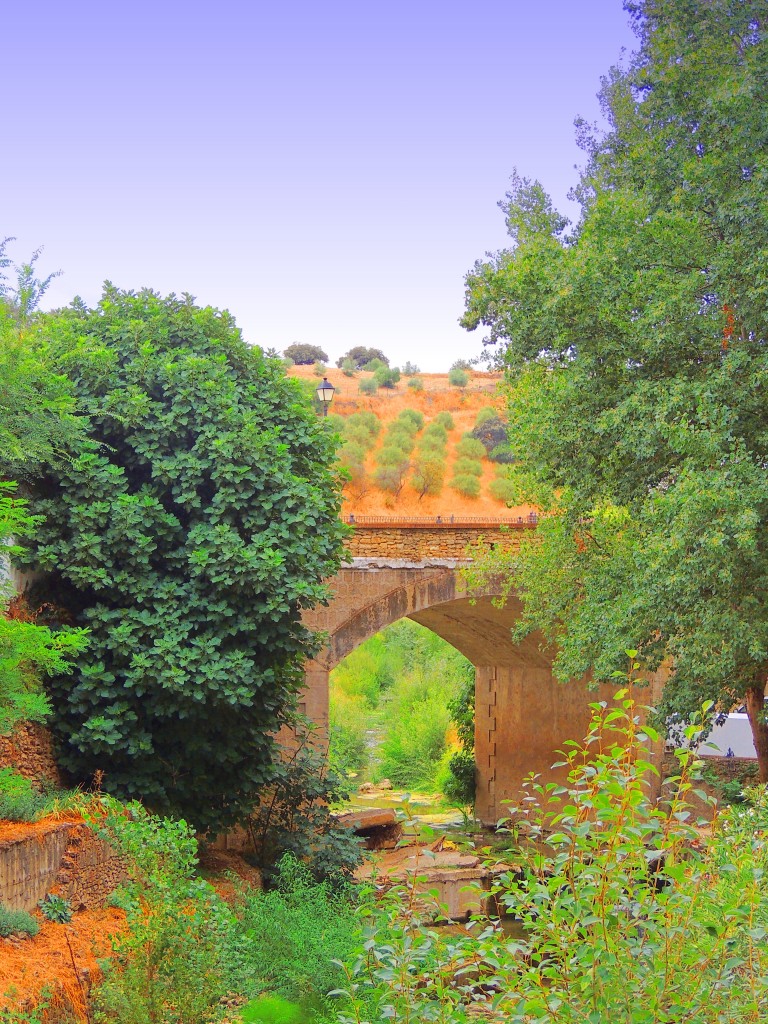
384 784
366 787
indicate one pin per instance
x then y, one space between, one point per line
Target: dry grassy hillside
437 396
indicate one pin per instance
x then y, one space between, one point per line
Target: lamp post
325 394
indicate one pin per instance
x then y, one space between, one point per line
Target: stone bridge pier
412 569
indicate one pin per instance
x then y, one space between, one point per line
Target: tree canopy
360 356
636 347
306 355
188 541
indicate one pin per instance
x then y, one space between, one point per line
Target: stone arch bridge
411 568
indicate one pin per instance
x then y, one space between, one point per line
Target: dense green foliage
188 543
286 939
637 356
16 921
400 683
360 356
185 949
625 915
305 355
19 800
293 817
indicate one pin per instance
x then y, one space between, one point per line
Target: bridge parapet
424 537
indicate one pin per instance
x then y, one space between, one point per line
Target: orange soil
438 396
29 967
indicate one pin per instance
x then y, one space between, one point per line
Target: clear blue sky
326 171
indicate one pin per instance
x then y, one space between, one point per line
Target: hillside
364 496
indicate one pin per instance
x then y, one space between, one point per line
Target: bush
493 434
367 422
467 485
417 720
470 448
444 419
19 800
503 489
347 729
368 386
167 966
374 365
410 369
468 467
294 817
412 418
486 413
626 915
348 368
435 431
12 921
359 356
189 552
428 472
319 369
387 377
456 777
416 383
285 941
305 355
458 378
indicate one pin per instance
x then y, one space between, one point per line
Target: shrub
392 455
469 467
417 720
348 367
467 485
368 386
458 378
12 921
374 365
461 364
428 472
189 552
413 419
410 369
347 727
416 383
294 817
305 355
470 448
435 430
493 435
367 422
503 489
626 915
319 369
486 413
285 940
359 356
167 966
399 436
19 800
456 777
444 419
387 377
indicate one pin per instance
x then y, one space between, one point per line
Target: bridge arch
523 715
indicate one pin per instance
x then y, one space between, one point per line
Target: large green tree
188 543
636 348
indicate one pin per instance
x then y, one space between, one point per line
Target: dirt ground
483 389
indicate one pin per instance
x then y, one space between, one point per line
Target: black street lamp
325 394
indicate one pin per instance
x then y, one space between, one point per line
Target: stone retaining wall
29 750
65 857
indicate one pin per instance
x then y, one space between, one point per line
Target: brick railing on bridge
415 538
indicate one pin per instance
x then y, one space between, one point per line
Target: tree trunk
755 700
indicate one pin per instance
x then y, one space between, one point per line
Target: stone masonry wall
417 541
65 857
29 750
